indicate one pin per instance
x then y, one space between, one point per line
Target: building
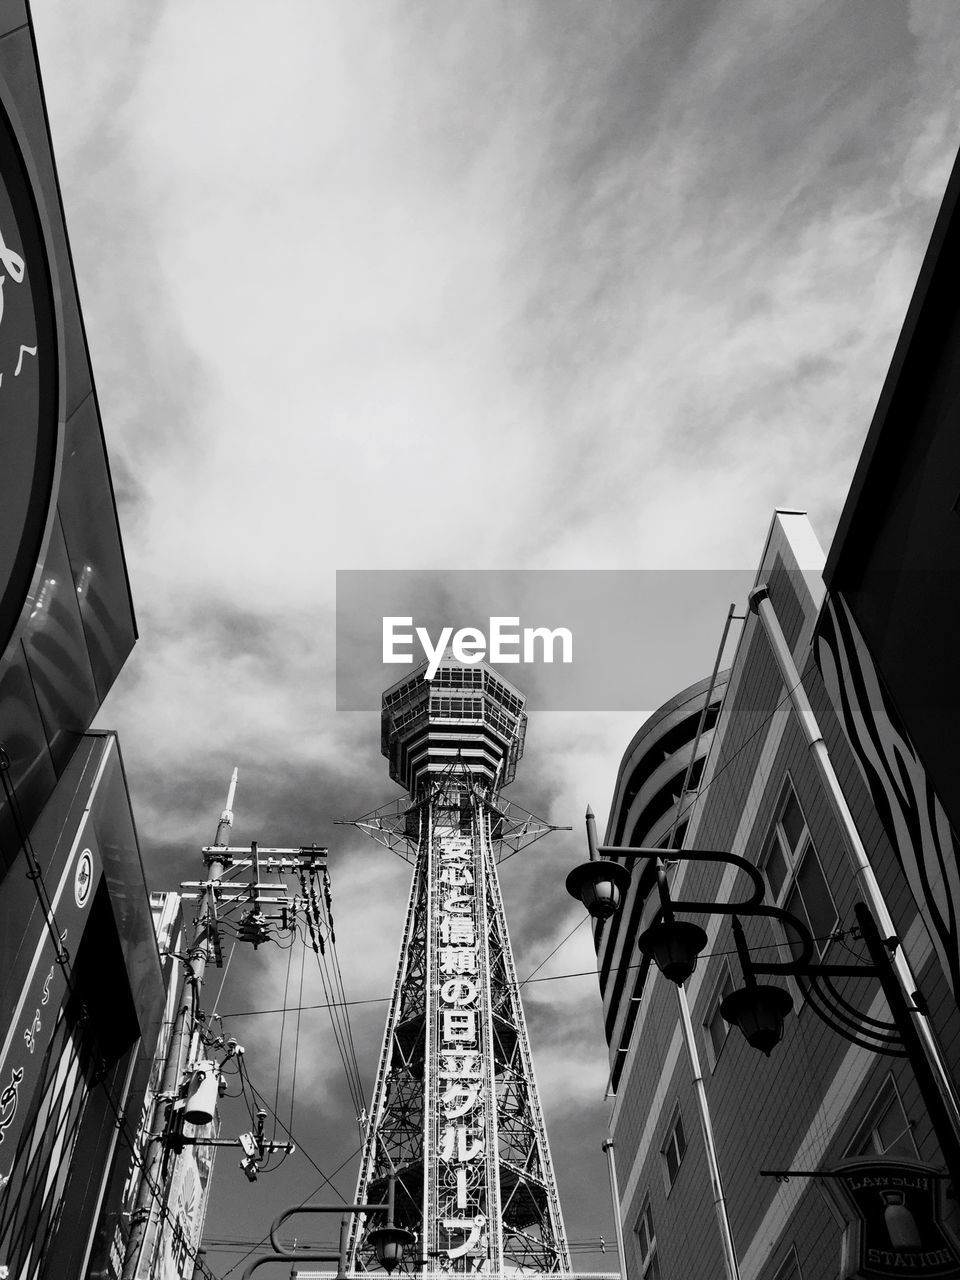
818 1098
82 997
455 1110
172 1238
649 802
890 632
66 617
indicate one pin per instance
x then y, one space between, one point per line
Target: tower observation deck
455 1110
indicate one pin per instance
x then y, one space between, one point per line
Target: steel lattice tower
455 1108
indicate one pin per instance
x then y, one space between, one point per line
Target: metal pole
865 875
591 835
730 1264
607 1146
145 1219
344 1243
906 1026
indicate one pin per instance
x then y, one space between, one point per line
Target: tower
455 1110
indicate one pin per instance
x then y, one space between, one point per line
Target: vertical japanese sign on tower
455 1112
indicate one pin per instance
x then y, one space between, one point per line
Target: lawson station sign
894 1211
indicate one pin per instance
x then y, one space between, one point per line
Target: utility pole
147 1212
190 1085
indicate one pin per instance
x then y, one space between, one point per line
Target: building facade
818 1098
66 617
649 803
82 994
80 1009
890 632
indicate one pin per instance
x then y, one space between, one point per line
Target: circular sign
83 878
29 383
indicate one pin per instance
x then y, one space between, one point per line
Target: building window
714 1028
886 1130
647 1243
795 876
673 1149
789 1269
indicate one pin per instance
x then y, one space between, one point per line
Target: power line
556 977
305 1200
258 1096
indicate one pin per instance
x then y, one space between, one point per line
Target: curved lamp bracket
747 904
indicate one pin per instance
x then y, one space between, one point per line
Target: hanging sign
895 1225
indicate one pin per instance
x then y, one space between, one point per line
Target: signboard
463 1070
180 1233
41 1000
29 383
894 1220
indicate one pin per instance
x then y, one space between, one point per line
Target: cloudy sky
406 284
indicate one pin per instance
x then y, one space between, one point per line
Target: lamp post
674 946
607 1147
758 1010
389 1241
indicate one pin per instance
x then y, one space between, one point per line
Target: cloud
418 285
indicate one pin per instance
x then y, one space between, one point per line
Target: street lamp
600 886
674 946
757 1009
389 1242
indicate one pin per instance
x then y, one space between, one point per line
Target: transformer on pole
455 1110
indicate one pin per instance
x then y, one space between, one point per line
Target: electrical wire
223 980
283 1024
556 977
296 1042
728 760
331 978
326 1182
529 977
258 1097
338 975
328 902
342 1036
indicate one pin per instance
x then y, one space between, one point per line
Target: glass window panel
775 867
790 1269
791 820
86 507
821 911
794 904
716 1027
652 1270
892 1131
30 764
57 655
718 1032
645 1231
681 1139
